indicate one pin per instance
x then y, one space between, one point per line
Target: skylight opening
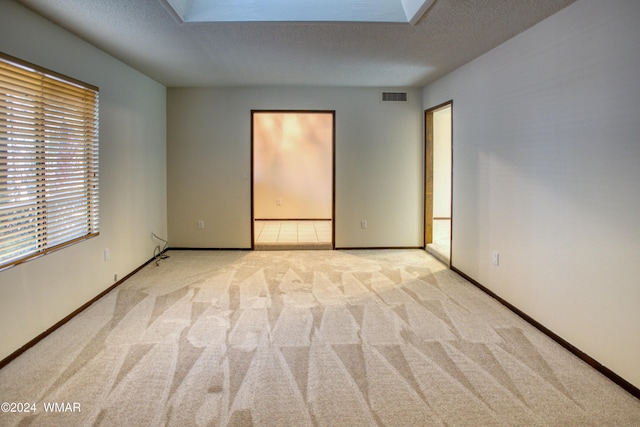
398 11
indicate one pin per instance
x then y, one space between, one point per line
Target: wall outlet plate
495 258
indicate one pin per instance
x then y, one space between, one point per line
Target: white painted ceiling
147 35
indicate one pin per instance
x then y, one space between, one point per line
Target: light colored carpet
306 338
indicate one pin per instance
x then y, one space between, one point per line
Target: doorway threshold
438 254
293 246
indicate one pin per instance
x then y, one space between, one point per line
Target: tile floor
292 231
312 231
441 246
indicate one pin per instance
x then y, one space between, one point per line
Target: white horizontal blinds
48 161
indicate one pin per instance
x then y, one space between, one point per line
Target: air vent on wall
394 97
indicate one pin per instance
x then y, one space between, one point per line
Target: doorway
438 181
292 184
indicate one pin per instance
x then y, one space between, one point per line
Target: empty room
136 178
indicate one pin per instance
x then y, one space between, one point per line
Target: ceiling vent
394 97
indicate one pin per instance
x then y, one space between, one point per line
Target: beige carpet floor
306 338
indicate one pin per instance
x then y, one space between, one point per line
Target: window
48 161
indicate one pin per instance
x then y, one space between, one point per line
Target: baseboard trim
294 246
359 248
4 362
207 249
366 248
292 219
626 385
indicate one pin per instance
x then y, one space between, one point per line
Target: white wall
546 171
442 163
292 165
378 163
37 294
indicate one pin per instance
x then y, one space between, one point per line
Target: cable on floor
159 253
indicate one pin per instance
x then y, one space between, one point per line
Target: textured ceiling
146 35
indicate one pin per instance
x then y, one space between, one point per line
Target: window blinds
48 161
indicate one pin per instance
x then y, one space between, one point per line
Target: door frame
333 168
428 177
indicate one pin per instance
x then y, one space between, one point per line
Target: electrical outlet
495 258
107 254
200 224
278 202
363 224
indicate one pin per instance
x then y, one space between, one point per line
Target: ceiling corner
415 9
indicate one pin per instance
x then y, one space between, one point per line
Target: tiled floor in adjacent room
441 245
292 231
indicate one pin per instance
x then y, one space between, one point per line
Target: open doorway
292 166
438 181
